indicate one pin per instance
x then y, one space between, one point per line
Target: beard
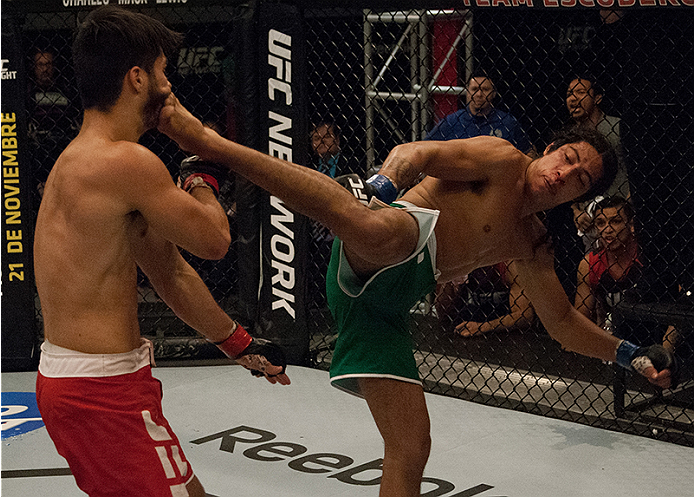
153 107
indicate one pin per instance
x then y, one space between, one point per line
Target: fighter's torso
84 268
480 223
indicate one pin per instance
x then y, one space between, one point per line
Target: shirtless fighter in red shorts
109 206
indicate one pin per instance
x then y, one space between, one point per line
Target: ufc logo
357 187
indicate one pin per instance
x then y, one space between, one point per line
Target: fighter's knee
387 235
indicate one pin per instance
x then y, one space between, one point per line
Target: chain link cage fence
380 77
410 78
203 75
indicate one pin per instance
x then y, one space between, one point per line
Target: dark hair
577 134
594 83
330 124
479 73
620 203
109 43
39 50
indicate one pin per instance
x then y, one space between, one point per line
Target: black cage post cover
283 130
18 334
248 195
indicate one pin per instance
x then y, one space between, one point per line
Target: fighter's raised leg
373 238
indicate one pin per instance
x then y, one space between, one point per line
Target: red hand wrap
236 343
210 180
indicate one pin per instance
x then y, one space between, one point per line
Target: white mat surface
322 442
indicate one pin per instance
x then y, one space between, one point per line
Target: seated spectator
480 117
605 274
489 300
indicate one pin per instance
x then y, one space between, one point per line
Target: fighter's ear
547 150
135 77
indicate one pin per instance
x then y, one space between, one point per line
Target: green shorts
373 317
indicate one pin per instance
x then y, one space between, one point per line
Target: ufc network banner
283 128
18 336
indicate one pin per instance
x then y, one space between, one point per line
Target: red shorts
113 433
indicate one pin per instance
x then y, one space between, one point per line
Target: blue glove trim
385 189
625 353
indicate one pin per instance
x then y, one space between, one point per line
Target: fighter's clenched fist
261 357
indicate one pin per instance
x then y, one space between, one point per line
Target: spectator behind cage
325 142
604 275
490 299
470 301
583 98
52 115
480 117
327 158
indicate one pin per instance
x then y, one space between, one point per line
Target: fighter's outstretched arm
568 326
140 180
471 159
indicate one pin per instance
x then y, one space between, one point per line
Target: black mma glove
378 186
260 351
637 358
272 352
197 172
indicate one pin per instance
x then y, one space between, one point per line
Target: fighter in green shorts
483 195
373 316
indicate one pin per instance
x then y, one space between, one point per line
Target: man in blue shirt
480 117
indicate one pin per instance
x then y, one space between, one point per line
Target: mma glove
197 172
264 352
635 358
378 186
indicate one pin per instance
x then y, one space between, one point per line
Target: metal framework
413 44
